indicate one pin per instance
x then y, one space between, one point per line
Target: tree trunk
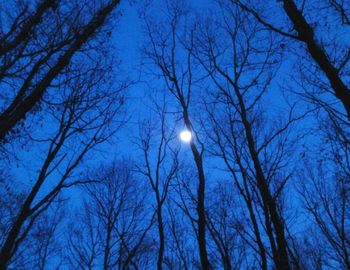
200 199
6 252
283 262
201 209
10 118
27 27
161 238
306 35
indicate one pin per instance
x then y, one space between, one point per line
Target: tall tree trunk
201 210
202 244
8 247
107 248
306 35
282 262
161 237
244 191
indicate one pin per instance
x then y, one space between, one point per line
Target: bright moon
185 136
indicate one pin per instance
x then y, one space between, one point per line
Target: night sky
95 173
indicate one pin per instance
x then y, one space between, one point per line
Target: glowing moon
186 136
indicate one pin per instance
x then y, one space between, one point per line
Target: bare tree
42 244
241 61
317 25
160 165
235 203
331 58
114 219
229 248
38 44
80 114
177 72
325 195
83 241
45 233
181 252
